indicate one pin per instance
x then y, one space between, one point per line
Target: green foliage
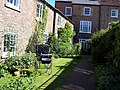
77 49
65 34
106 52
97 43
61 45
3 70
37 37
107 79
53 41
20 62
64 49
19 84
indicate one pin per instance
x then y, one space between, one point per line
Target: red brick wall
99 20
78 16
106 15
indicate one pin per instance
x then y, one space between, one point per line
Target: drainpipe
54 22
99 22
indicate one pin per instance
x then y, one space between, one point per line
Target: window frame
84 42
85 10
90 27
116 11
40 13
12 6
14 41
66 11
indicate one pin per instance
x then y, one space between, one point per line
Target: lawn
61 70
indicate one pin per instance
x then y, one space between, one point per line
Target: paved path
83 76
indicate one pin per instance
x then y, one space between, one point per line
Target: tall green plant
37 37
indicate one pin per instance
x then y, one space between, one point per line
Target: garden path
83 76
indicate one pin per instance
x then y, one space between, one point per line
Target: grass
61 70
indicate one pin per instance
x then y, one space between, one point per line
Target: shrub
61 46
19 84
16 63
77 49
3 70
106 55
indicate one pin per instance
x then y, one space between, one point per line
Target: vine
37 37
41 25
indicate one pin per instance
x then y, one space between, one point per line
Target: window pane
11 1
16 3
9 42
68 11
85 26
39 10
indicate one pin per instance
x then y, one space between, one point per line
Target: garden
105 50
27 73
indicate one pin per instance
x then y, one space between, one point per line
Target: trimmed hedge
105 49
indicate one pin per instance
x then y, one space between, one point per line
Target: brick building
18 20
89 16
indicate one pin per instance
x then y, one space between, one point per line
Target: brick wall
78 16
23 22
106 15
99 19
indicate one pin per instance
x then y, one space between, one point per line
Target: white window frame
45 38
116 11
40 13
82 27
11 4
66 11
84 42
84 11
5 54
109 24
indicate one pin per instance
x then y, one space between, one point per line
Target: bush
77 49
106 55
106 78
61 46
16 63
19 84
3 70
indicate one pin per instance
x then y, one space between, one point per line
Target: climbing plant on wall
37 37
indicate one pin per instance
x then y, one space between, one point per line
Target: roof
110 2
56 10
94 2
85 2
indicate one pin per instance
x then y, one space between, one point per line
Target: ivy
37 37
41 25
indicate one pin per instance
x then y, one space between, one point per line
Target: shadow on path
83 76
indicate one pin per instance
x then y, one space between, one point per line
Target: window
45 38
59 20
14 4
85 26
68 11
114 13
39 10
87 11
85 45
9 44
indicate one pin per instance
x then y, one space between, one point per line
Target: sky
52 2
